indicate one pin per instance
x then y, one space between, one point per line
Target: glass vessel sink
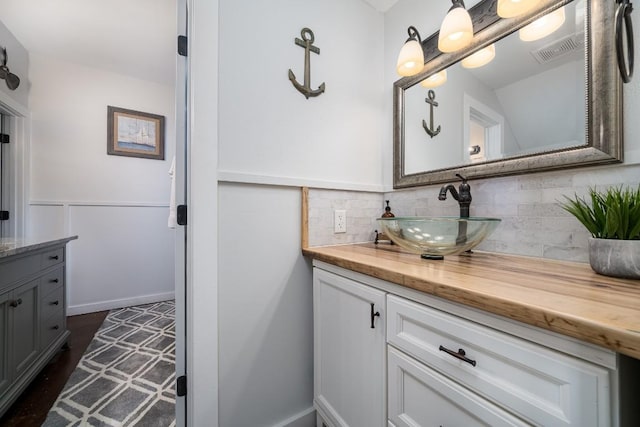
434 237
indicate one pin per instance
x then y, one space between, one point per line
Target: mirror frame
603 133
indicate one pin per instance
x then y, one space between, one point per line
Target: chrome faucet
462 195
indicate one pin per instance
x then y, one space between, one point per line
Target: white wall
270 134
117 205
268 128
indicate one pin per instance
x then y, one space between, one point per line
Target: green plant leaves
614 214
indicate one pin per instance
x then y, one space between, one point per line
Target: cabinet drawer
419 396
51 328
52 281
52 303
52 257
17 268
540 385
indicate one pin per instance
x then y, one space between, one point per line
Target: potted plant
613 219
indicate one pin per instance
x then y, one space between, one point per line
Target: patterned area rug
126 376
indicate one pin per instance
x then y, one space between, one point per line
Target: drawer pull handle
373 316
54 257
461 354
55 328
56 302
15 303
54 281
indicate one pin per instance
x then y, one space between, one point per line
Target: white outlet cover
340 221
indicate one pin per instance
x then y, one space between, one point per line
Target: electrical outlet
340 221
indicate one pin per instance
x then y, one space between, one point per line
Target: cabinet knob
15 303
55 328
54 280
54 257
56 302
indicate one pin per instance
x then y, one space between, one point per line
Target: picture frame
134 133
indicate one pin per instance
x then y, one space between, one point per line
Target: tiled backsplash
533 223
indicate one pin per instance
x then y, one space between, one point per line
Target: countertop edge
32 245
624 341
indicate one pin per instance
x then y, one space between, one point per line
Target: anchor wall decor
431 100
307 44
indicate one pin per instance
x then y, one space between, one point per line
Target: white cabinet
349 353
432 363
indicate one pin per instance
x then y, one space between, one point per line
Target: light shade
543 26
435 80
456 30
410 59
480 58
511 8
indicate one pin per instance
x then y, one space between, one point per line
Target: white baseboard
306 418
125 302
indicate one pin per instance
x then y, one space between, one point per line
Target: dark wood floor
32 406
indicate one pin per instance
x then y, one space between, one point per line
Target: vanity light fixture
543 26
10 79
456 30
435 80
511 8
411 57
480 58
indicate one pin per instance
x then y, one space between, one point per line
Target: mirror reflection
529 98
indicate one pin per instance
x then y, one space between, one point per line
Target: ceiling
134 38
382 5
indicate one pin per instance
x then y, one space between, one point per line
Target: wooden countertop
565 297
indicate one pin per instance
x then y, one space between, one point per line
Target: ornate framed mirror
525 128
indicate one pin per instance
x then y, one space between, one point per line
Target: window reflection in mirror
529 99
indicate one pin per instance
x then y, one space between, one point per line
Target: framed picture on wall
134 133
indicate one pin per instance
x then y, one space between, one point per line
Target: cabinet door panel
419 396
24 348
349 355
4 341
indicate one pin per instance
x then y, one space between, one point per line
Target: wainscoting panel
124 256
47 220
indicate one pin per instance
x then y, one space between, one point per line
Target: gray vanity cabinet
32 316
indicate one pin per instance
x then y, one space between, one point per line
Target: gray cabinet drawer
51 281
16 268
52 257
51 328
52 303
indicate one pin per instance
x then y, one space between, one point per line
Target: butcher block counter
564 297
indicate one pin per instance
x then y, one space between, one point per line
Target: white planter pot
616 258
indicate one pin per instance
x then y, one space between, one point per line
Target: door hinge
181 386
4 138
4 215
181 214
182 46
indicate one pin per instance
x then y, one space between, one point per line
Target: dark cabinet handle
54 281
461 354
54 257
55 328
373 316
56 302
15 303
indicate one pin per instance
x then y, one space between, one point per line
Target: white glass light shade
435 80
543 26
411 59
480 58
456 30
511 8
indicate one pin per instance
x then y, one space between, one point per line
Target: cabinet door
23 316
349 355
4 342
419 396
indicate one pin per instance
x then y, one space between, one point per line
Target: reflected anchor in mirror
431 100
307 44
